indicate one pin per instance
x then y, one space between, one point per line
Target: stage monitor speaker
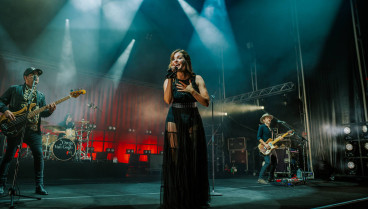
101 156
284 159
238 143
155 162
239 156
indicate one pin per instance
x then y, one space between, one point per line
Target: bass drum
63 149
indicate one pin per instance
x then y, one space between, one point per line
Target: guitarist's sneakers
40 190
262 181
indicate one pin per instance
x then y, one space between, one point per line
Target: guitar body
264 150
13 128
271 143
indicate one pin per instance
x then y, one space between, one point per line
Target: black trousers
34 141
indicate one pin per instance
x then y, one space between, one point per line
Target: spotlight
129 151
107 149
111 128
161 152
364 129
92 126
351 165
146 152
366 145
349 147
112 150
347 130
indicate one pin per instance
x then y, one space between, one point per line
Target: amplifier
155 162
284 160
238 143
239 156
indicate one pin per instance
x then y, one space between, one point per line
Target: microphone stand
213 193
12 191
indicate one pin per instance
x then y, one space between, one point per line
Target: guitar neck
38 111
279 138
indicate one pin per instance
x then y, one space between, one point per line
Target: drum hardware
47 141
82 136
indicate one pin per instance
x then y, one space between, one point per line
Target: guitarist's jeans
34 141
270 160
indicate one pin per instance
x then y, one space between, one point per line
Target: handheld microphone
173 72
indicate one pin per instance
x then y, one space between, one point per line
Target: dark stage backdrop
126 106
334 90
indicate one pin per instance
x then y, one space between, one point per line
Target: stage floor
142 192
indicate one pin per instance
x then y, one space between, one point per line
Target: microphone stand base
213 193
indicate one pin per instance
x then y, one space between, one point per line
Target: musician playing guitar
13 100
264 133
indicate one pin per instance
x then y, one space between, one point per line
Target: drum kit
63 144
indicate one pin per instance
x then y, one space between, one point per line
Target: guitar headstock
291 132
76 94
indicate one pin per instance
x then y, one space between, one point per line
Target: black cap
31 70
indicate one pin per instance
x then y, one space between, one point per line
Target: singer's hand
51 107
184 87
170 73
9 115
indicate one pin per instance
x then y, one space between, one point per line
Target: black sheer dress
185 173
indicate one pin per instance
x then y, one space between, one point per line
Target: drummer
67 125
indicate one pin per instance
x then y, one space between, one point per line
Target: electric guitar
13 128
271 143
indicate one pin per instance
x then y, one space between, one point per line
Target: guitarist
265 133
14 99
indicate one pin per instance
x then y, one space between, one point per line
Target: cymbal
53 127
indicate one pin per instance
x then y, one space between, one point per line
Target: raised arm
167 91
201 97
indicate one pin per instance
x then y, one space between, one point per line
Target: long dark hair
188 61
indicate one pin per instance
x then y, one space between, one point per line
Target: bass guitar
13 128
271 143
